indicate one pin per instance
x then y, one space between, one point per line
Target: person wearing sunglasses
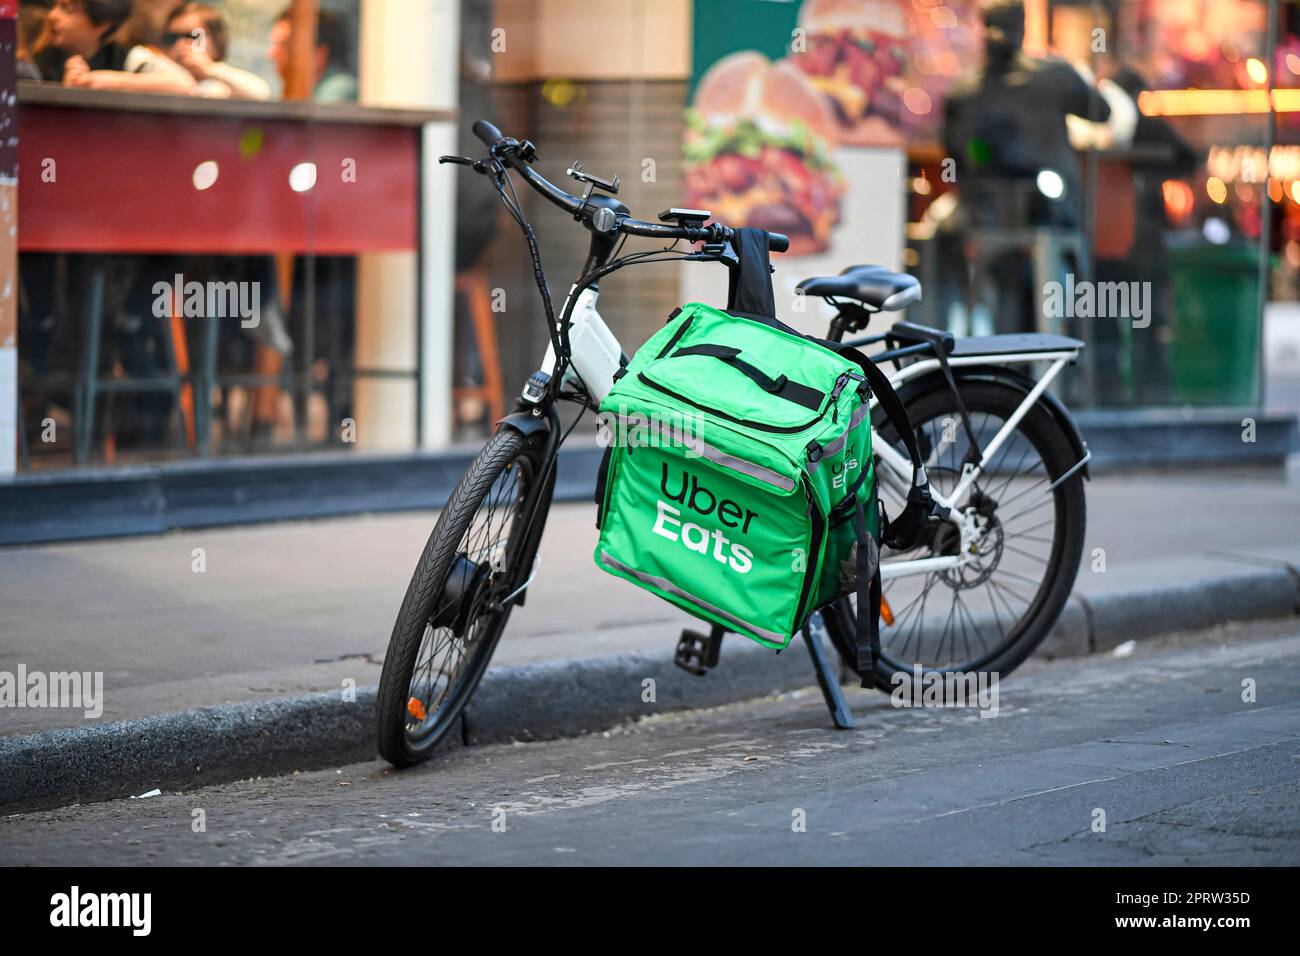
81 52
196 39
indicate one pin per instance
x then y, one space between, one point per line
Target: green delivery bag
739 454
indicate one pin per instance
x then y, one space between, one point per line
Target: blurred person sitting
80 53
329 309
32 37
196 38
333 81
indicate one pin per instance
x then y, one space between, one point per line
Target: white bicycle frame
595 355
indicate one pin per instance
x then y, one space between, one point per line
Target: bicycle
480 559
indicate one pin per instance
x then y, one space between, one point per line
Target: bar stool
473 285
90 384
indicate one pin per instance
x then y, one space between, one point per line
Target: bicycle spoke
1026 554
1034 507
925 594
1019 577
1040 481
1041 524
901 616
1030 537
996 590
994 467
1002 631
1007 589
943 635
974 627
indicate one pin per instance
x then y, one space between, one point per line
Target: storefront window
218 246
1145 197
1180 227
1187 212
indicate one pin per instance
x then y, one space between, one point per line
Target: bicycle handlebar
777 242
487 133
508 152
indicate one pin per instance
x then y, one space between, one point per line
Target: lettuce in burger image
758 151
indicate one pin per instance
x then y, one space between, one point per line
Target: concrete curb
1258 590
153 499
557 699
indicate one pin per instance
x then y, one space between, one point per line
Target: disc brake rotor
982 564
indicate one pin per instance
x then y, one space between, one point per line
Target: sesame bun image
758 144
856 53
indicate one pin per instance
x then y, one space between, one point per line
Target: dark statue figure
1005 128
1006 122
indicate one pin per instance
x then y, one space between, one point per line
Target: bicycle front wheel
453 614
989 613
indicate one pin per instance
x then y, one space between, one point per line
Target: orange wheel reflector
886 614
415 707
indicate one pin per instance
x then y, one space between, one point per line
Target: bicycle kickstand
828 677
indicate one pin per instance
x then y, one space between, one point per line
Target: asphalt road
1162 742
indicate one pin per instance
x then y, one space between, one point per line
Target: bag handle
781 386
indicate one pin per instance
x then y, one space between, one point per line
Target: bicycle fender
1014 378
544 428
526 423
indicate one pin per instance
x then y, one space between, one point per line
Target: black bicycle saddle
875 287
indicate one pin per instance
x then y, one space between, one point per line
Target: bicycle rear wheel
991 613
452 615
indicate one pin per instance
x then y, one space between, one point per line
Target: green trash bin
1214 352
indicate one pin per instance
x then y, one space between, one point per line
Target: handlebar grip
487 133
778 242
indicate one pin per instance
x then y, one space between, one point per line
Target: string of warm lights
1258 99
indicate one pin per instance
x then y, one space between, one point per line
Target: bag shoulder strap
904 531
866 640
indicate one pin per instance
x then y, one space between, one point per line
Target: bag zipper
840 384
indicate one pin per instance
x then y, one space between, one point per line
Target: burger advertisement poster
798 118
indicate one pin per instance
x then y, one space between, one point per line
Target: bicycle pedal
697 652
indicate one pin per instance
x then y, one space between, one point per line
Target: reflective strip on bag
663 584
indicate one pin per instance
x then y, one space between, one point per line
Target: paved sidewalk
287 609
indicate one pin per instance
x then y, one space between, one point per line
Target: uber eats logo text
686 489
840 472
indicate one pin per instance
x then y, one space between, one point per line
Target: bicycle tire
508 451
1042 432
